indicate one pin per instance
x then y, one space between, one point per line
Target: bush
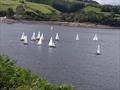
68 7
20 9
10 12
2 13
110 8
16 78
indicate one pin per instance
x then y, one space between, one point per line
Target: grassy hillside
16 78
41 7
5 4
96 9
61 10
91 8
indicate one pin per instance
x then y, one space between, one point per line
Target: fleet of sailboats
40 38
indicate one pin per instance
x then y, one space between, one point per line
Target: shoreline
70 24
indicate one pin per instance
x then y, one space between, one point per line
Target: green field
5 4
95 9
41 7
91 8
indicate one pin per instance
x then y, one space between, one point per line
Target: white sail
77 37
40 42
33 36
25 40
57 37
51 28
22 37
38 36
98 50
95 38
42 37
51 43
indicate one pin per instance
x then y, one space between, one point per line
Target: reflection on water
73 62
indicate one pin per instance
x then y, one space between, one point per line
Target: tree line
110 8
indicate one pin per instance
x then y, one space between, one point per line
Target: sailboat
33 36
57 37
40 42
42 37
77 37
98 52
22 37
51 43
25 40
38 36
51 27
95 38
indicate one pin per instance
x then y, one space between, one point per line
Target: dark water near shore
71 62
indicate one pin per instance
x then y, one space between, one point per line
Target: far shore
71 24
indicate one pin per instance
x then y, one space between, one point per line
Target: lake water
72 62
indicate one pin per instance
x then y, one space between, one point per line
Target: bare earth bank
72 24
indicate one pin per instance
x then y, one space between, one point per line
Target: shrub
16 78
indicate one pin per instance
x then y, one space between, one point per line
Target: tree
10 12
20 9
2 13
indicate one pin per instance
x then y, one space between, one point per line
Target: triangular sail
42 37
57 37
22 37
51 43
51 28
38 36
40 42
98 50
33 36
25 40
77 37
95 38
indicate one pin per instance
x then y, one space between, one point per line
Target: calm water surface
72 62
